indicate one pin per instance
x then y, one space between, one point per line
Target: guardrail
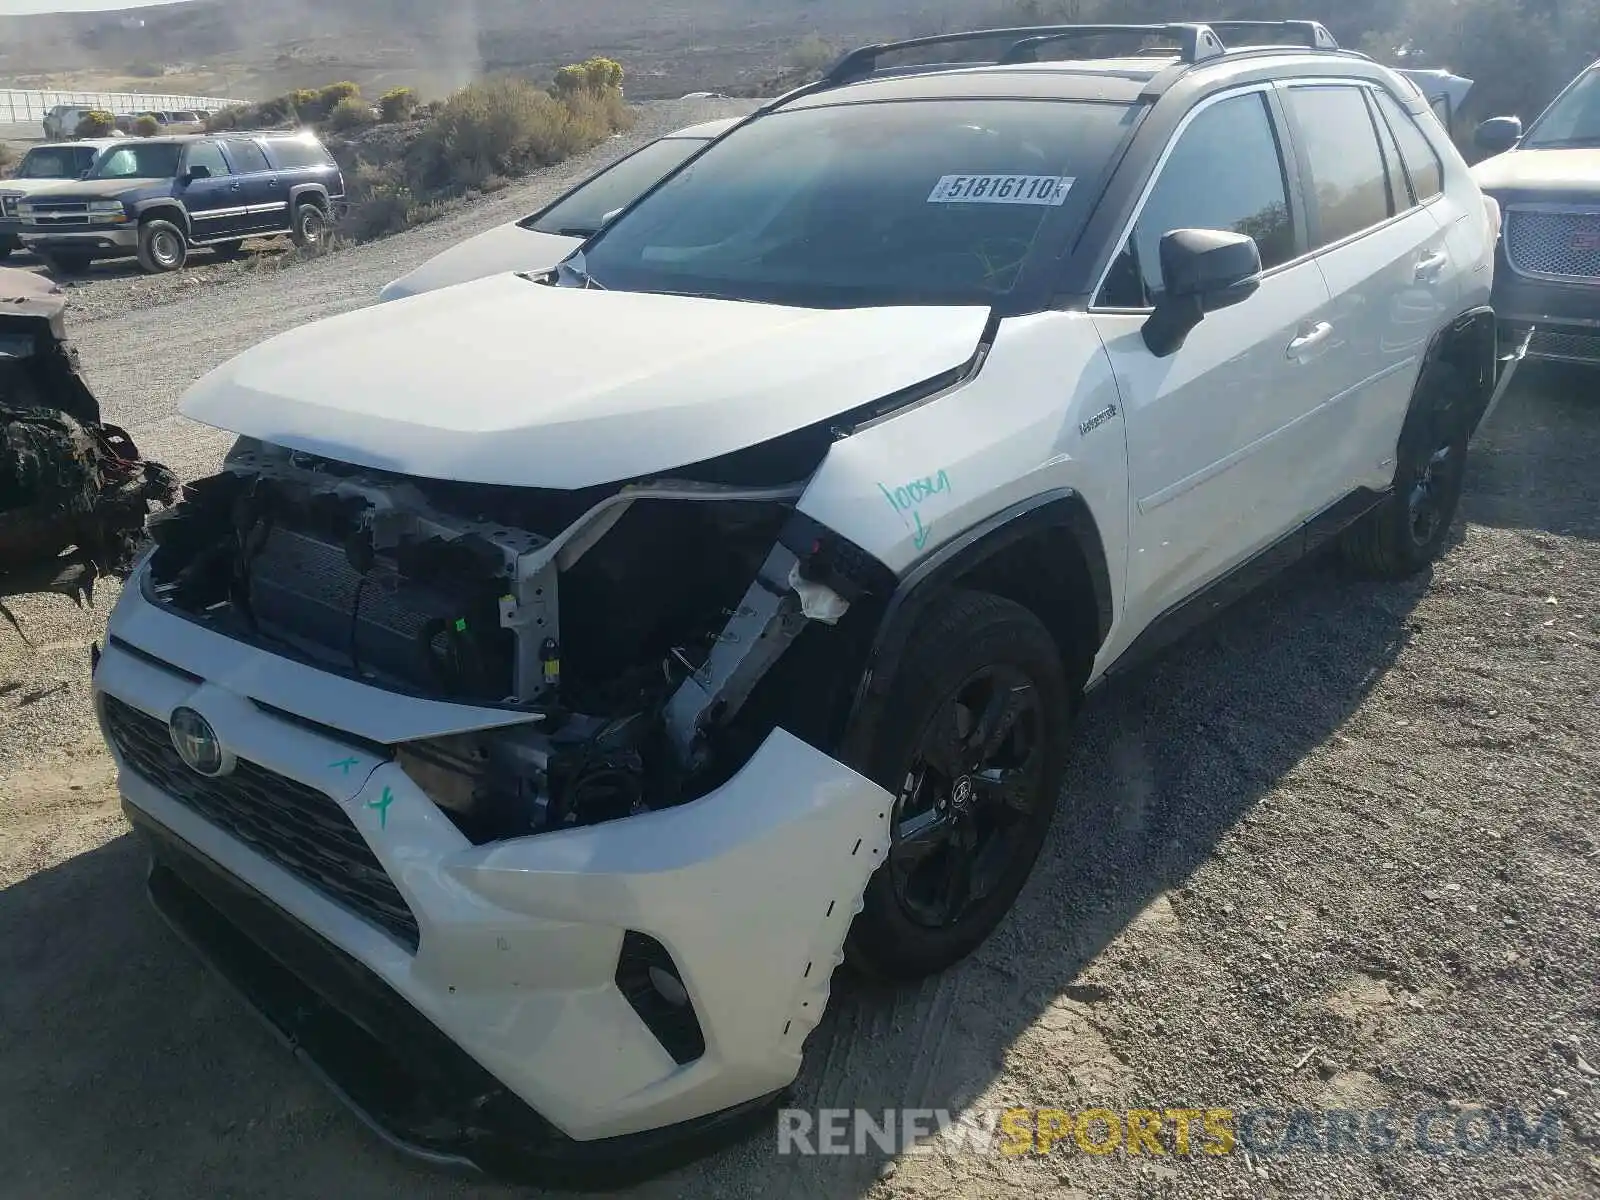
19 107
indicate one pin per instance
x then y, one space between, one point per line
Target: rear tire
972 745
162 247
309 228
1408 531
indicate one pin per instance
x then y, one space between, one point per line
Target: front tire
1407 532
310 226
972 745
162 247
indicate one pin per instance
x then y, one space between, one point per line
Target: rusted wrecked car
74 491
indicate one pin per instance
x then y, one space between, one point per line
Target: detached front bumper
490 1004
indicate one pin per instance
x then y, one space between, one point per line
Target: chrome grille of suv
299 828
1562 244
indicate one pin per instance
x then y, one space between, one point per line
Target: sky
14 8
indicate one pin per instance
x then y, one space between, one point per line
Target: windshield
1574 119
918 202
579 214
55 162
153 160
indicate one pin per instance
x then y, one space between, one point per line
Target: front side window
1347 183
1224 172
149 160
1573 120
1421 160
910 202
208 155
579 214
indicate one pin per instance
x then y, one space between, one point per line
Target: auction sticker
1001 189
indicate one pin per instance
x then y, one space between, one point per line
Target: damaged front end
74 492
652 634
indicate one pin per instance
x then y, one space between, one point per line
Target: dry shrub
97 123
350 114
146 127
397 104
509 126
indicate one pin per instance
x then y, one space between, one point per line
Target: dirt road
1339 850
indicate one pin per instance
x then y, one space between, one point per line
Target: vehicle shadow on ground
126 1069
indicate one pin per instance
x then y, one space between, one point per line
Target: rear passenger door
1387 265
267 212
1215 431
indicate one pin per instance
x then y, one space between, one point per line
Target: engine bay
629 623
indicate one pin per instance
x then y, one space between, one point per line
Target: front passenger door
216 204
1211 446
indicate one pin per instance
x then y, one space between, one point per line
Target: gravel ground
1338 850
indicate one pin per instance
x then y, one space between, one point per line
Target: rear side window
1346 178
294 153
247 156
1225 172
208 155
1416 151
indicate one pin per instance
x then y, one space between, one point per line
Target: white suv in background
540 240
567 672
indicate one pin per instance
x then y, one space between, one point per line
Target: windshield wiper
577 231
586 280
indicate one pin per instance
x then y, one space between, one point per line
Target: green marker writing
343 765
382 805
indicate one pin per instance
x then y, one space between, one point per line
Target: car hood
89 189
30 187
507 247
506 381
1572 174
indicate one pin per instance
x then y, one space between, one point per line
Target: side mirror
198 172
1202 270
1498 134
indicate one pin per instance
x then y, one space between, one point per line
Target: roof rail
1196 43
1313 35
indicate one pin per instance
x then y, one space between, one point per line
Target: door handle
1310 340
1430 265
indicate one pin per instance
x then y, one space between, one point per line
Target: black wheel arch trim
1061 509
1473 324
166 209
300 191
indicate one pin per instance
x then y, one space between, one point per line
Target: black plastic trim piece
149 659
671 1023
400 1074
1196 610
1059 508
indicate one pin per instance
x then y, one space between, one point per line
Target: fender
318 193
168 208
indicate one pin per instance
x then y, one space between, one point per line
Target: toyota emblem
197 743
961 793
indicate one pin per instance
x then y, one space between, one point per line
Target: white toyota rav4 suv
566 672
